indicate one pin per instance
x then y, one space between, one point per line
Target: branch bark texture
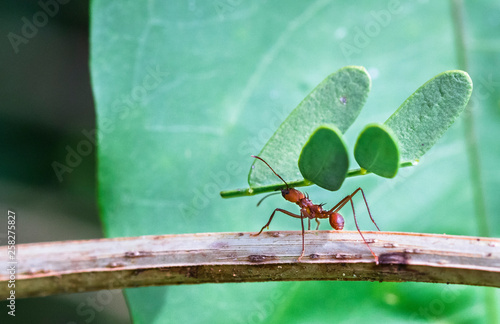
75 266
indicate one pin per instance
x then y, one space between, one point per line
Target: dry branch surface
75 266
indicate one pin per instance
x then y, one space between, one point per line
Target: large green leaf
227 76
416 126
337 100
424 117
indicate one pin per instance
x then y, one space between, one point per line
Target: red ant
311 211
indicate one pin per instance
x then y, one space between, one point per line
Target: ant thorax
312 210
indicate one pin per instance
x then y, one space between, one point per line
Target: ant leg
309 225
344 201
271 218
317 221
339 206
366 203
301 216
356 222
303 236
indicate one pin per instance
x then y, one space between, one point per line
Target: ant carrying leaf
312 211
381 148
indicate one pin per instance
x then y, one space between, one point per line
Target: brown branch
75 266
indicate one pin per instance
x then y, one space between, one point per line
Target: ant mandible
311 211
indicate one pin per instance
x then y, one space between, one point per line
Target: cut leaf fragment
337 100
324 159
377 151
421 120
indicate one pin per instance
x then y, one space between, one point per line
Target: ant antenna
274 193
254 156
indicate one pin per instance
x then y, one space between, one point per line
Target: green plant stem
293 184
469 129
457 7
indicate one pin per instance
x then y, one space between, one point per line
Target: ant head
292 195
337 221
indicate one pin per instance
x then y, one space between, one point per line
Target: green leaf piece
337 100
324 159
377 151
421 120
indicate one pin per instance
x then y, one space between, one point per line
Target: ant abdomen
337 221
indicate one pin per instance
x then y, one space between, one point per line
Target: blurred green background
229 72
46 104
